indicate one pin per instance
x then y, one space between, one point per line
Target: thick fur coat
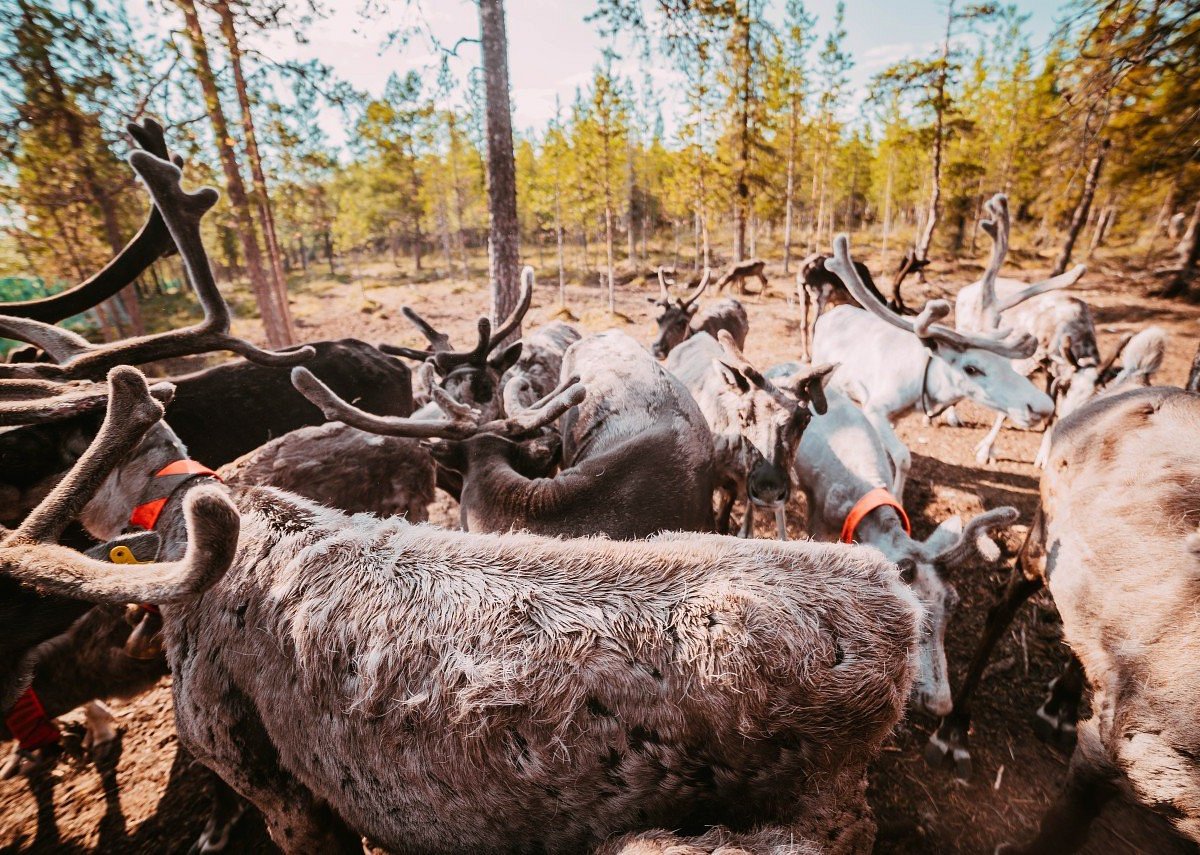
444 692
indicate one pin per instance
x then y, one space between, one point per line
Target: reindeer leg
747 528
1044 449
948 744
226 809
805 331
1057 716
723 518
983 451
950 416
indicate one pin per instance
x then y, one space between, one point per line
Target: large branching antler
695 295
804 386
923 326
152 241
27 402
444 357
664 289
998 226
1054 283
975 542
462 423
130 414
30 555
183 212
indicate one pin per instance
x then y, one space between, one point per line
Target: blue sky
553 50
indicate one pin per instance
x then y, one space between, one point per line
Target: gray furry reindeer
679 321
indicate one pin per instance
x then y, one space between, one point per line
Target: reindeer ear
449 454
945 535
507 359
535 458
734 378
808 386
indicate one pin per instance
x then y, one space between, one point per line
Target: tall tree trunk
266 215
504 253
1189 257
459 203
631 214
1081 210
790 192
741 200
95 187
887 208
278 331
935 193
558 239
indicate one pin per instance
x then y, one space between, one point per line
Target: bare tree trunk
1081 210
1103 224
935 193
444 230
630 245
741 198
278 331
1189 257
99 193
790 192
265 215
459 204
505 244
558 238
887 208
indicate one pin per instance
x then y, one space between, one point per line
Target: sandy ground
919 809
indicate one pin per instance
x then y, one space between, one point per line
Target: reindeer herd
591 663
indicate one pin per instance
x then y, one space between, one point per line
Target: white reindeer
1066 336
891 365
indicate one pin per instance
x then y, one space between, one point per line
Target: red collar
877 498
166 481
28 723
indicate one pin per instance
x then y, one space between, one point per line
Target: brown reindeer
638 430
818 286
738 272
679 321
1118 543
503 691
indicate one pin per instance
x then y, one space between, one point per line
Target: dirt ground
920 810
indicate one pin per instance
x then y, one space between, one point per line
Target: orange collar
166 481
877 498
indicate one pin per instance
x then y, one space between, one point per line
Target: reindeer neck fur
107 514
840 460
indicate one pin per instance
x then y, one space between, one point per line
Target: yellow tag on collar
122 555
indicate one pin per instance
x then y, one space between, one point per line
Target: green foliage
761 93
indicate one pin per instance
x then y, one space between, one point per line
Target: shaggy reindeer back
629 393
1121 514
449 692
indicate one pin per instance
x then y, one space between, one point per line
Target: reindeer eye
972 371
908 570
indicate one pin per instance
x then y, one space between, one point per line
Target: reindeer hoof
106 754
947 747
1056 725
215 836
984 457
27 763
